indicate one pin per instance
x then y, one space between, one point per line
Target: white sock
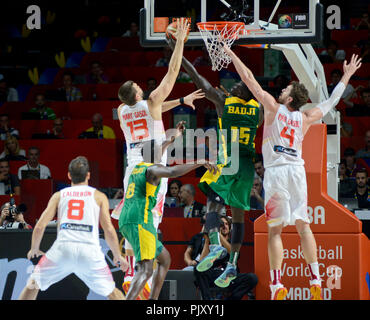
275 277
315 274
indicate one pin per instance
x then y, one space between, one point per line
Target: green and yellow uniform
239 116
136 219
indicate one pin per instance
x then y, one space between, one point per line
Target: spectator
347 185
173 192
193 253
12 150
203 60
98 130
45 112
336 75
43 172
9 183
96 75
165 59
364 23
365 152
133 31
332 54
5 130
242 285
258 166
350 161
15 219
257 195
151 84
7 94
58 129
191 207
362 193
359 110
71 93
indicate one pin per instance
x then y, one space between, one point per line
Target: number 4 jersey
78 215
282 140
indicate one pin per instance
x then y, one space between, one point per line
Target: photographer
9 183
12 216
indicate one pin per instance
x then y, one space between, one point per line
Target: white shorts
285 195
86 261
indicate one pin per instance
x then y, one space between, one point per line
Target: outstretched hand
189 99
353 66
182 27
227 49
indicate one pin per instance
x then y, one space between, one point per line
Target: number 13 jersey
78 215
282 140
139 126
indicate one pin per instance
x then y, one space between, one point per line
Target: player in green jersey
136 224
239 116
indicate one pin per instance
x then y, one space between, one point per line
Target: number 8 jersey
282 140
78 215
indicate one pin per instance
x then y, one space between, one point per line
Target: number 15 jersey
282 140
78 215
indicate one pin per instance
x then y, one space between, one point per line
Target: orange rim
209 25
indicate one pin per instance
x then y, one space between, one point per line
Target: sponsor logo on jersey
288 151
76 227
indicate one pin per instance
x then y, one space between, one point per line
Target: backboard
266 21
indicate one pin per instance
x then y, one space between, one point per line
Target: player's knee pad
237 233
212 221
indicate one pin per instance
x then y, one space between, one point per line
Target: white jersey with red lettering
138 126
78 215
282 140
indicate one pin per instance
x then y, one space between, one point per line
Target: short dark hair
34 148
127 93
68 73
4 160
362 170
178 182
4 115
299 94
78 169
258 158
241 91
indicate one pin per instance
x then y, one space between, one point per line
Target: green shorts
234 189
143 239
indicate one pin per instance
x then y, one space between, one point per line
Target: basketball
171 29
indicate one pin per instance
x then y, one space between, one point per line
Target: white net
215 39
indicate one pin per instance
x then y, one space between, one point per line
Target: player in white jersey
285 178
141 120
76 249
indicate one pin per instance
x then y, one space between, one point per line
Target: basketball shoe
227 276
278 292
315 289
216 252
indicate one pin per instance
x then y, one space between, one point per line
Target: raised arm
324 107
266 99
211 93
160 94
156 172
187 100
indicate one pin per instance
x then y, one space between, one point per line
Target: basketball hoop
215 34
